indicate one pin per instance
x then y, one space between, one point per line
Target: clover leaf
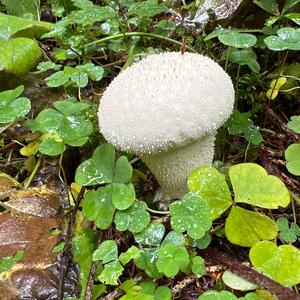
237 283
294 124
111 273
292 156
245 228
280 263
237 39
152 235
65 125
245 57
288 232
210 185
12 107
198 266
252 185
132 253
100 205
107 251
191 214
287 38
213 295
171 259
134 219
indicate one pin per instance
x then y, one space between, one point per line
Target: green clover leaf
191 214
134 219
292 156
171 259
107 251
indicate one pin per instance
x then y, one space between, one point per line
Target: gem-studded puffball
165 101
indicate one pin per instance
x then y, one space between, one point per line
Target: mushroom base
171 168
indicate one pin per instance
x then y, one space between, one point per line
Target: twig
30 178
115 294
68 247
179 286
215 256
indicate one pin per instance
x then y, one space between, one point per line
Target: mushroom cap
165 101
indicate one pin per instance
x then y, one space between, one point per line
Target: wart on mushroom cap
166 109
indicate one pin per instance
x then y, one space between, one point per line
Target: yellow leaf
278 83
31 149
272 94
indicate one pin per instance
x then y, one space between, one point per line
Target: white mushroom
166 109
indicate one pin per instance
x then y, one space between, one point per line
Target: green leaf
151 235
123 171
287 38
245 228
97 206
244 57
215 295
57 79
23 8
295 17
237 39
209 184
11 107
18 55
107 251
237 283
162 293
111 273
252 184
191 214
50 146
203 242
174 238
48 65
132 253
99 168
134 219
289 4
198 266
147 262
294 124
171 259
6 263
280 263
47 121
270 6
283 224
11 26
148 8
240 123
83 248
292 156
69 108
123 195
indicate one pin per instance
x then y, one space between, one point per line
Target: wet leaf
57 79
132 253
245 228
198 266
171 259
134 219
97 206
8 185
18 55
146 8
69 108
12 107
107 251
287 38
203 182
295 17
83 248
174 238
252 184
215 295
151 235
270 6
99 168
280 263
191 214
244 57
123 195
202 243
237 39
294 124
237 283
111 273
289 4
292 156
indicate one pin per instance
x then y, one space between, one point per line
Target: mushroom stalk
171 168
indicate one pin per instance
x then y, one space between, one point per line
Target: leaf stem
159 212
30 178
145 34
6 127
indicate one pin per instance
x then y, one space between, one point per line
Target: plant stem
145 34
5 127
30 178
159 212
